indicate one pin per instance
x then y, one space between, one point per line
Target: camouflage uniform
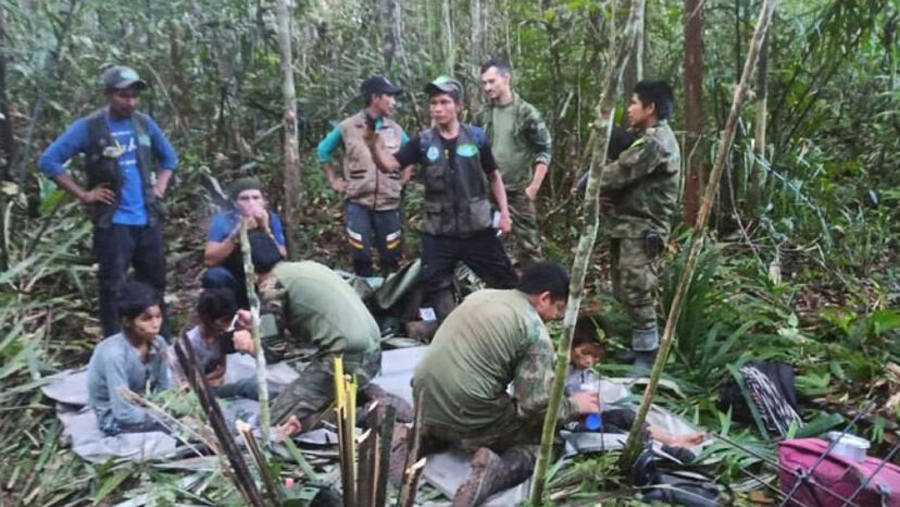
518 145
317 308
493 338
641 188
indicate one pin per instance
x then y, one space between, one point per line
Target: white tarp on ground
445 471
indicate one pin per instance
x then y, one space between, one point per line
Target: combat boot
492 474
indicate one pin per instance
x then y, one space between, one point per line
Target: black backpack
763 393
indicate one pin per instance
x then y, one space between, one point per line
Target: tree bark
602 130
476 36
7 141
633 444
391 27
693 107
289 122
634 72
757 177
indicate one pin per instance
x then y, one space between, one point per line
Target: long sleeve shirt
116 366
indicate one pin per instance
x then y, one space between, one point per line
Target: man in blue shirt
128 162
223 256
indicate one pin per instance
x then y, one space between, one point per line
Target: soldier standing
522 145
641 189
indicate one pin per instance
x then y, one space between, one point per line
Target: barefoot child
131 360
587 350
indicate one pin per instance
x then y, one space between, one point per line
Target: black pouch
653 244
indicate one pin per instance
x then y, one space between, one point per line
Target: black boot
493 474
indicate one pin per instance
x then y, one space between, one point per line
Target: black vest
456 193
105 169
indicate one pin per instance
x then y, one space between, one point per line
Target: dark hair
658 93
545 276
619 140
135 298
215 304
501 65
586 330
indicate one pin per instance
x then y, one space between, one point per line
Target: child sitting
587 349
213 338
132 360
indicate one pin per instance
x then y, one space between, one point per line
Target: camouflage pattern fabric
310 396
641 187
531 142
634 281
524 242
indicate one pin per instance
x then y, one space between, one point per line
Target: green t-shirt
320 308
513 155
493 338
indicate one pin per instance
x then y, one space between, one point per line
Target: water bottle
593 422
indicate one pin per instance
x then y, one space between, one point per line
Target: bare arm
337 184
162 182
540 171
99 194
406 174
216 251
386 162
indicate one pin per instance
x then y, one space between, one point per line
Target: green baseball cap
445 84
120 77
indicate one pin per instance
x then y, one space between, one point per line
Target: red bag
840 475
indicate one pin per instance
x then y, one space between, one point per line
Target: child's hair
586 328
135 298
215 304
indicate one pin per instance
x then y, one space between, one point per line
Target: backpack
762 393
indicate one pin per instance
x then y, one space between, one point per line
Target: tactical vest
456 194
366 185
103 168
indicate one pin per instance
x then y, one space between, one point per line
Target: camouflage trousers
311 395
524 242
634 282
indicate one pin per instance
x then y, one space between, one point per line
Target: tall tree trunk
389 11
7 141
449 51
693 107
757 176
476 38
633 445
602 130
289 127
634 72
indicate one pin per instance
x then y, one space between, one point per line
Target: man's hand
531 191
244 319
99 194
243 341
587 402
339 185
159 191
262 219
505 224
216 377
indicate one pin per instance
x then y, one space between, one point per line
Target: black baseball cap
120 77
379 85
445 84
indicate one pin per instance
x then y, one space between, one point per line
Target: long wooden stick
262 385
602 130
633 444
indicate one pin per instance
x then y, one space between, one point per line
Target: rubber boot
645 344
492 474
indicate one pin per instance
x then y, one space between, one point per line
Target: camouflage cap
445 84
120 77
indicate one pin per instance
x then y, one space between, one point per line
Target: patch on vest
433 153
144 140
467 150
